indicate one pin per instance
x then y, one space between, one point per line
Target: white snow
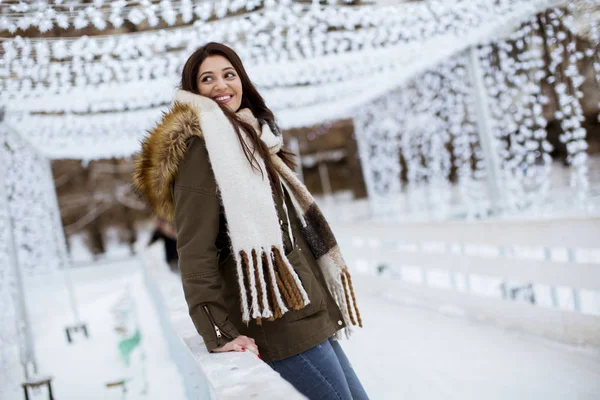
405 351
81 369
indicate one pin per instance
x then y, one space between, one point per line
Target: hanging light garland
101 134
429 126
592 9
567 81
365 68
425 124
276 35
9 357
106 134
345 60
146 92
26 214
459 116
514 69
375 125
30 206
440 134
44 15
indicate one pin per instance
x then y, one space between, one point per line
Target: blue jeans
322 373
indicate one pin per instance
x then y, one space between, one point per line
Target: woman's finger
238 347
252 348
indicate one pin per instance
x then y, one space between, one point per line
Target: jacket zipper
218 332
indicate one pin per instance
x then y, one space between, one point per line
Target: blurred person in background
165 230
260 268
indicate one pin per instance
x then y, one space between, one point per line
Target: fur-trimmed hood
163 149
155 166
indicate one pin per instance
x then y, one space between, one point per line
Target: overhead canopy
94 96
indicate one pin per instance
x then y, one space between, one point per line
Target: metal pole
60 239
26 347
420 249
295 148
325 182
451 273
572 257
484 130
463 251
553 290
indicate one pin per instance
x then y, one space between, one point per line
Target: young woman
261 269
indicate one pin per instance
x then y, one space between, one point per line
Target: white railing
494 250
224 376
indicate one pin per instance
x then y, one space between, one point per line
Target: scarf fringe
261 300
353 311
342 291
337 276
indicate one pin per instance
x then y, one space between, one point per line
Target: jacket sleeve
197 209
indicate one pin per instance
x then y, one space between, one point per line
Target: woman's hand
240 343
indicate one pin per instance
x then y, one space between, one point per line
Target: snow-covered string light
426 126
376 129
333 70
27 201
439 117
533 128
123 58
271 35
514 69
459 115
109 134
31 207
330 81
423 143
9 355
594 34
567 80
44 15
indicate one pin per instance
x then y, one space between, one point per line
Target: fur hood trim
155 166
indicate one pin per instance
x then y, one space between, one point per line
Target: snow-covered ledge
228 375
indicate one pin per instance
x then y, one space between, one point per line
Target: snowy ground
402 353
412 353
82 369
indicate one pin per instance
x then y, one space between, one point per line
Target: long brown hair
250 99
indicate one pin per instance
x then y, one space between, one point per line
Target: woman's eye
206 79
229 75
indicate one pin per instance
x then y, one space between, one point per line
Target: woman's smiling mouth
223 99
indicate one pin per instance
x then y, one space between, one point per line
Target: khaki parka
173 172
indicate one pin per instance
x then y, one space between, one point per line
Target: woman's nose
221 84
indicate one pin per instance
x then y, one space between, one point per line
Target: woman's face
218 80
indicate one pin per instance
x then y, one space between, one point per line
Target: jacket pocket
219 333
311 285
